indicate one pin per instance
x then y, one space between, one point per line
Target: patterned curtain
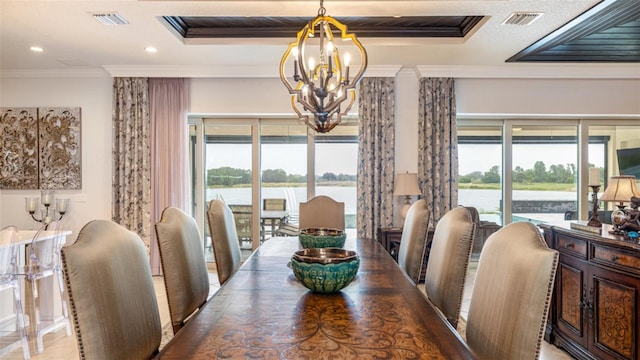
132 156
438 145
376 164
168 108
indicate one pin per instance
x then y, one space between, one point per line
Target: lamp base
405 207
618 217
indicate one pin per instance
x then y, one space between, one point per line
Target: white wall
519 97
93 96
564 97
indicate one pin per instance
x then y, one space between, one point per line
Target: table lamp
406 185
620 189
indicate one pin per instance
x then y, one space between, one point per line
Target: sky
342 158
335 158
482 157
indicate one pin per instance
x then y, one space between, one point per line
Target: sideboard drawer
571 246
615 258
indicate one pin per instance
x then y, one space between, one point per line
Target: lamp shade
621 188
406 185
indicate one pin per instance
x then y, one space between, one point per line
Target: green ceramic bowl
325 270
321 238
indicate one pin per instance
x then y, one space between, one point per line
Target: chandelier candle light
47 199
321 74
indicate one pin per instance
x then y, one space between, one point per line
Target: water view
486 201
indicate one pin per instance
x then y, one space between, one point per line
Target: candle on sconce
61 205
31 204
47 197
594 177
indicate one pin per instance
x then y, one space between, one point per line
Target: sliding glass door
245 161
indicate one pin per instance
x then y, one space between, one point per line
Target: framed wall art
40 148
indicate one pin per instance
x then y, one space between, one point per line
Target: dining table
264 312
272 218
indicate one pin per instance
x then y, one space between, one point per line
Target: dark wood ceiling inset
608 32
273 27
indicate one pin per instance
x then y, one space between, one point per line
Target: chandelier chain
322 11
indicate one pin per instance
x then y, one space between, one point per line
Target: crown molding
54 73
537 71
506 71
231 71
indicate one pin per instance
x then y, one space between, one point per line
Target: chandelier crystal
321 71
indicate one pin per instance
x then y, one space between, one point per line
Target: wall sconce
406 185
47 199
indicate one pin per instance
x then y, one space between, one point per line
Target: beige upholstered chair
511 294
224 238
111 293
322 212
449 260
414 240
184 267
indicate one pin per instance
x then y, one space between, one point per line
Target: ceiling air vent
522 18
110 19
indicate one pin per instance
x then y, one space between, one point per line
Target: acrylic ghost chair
44 262
8 281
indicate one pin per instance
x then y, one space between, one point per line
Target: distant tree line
539 174
228 176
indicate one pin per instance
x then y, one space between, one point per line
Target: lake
486 201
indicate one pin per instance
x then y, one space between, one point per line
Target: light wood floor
58 346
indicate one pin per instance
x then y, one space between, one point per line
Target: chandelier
321 81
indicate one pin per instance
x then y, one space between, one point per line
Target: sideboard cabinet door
615 307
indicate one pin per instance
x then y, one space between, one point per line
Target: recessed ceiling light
36 49
150 49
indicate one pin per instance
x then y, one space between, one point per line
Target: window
547 181
244 161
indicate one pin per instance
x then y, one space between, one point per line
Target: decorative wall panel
40 148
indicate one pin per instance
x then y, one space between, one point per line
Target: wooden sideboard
595 309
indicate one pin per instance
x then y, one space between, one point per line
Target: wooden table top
263 312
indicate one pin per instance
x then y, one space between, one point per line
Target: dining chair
44 262
511 294
8 280
322 212
449 260
184 267
243 219
413 242
224 238
111 293
274 204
